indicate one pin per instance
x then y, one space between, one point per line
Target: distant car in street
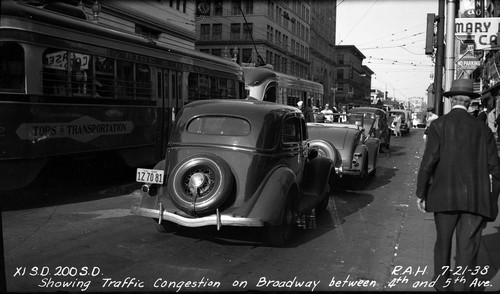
357 148
419 120
405 119
382 130
237 163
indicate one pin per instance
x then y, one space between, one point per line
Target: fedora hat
461 87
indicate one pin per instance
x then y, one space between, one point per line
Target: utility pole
450 50
438 72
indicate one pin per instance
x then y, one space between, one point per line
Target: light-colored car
354 141
419 120
406 121
382 131
236 163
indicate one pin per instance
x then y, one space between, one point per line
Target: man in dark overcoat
459 180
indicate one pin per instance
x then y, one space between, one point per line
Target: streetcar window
104 76
223 88
193 87
66 73
214 88
231 89
125 79
11 67
55 72
81 74
143 81
203 87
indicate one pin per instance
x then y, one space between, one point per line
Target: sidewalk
413 266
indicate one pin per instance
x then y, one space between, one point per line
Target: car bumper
214 219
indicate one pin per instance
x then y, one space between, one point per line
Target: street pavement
413 265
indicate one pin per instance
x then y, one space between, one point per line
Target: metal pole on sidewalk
438 72
450 50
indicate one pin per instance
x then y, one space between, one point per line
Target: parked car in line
382 131
358 149
406 121
419 120
237 163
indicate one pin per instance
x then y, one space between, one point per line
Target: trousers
468 228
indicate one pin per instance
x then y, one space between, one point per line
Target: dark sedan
237 163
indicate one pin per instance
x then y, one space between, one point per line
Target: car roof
265 118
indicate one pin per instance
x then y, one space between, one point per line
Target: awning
492 91
486 95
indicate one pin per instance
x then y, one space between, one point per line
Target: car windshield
219 125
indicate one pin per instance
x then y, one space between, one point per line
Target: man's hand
421 205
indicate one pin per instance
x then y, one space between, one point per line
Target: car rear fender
373 145
360 154
270 204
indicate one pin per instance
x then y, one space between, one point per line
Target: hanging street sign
468 62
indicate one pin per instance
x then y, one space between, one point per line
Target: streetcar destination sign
484 31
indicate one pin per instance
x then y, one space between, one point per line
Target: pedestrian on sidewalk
491 120
459 181
431 116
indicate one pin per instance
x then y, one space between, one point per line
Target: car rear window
219 125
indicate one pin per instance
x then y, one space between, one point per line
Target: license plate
150 176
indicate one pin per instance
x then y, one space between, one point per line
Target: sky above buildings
391 35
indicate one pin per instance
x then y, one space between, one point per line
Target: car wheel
165 226
279 235
324 148
200 183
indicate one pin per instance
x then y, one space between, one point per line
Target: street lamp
96 9
235 54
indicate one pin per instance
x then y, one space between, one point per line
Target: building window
205 32
147 32
246 56
248 7
269 33
340 74
235 31
217 31
218 7
235 6
217 52
247 31
340 58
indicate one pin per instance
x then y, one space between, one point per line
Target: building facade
257 33
296 37
353 79
168 22
323 64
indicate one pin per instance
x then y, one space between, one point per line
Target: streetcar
263 83
71 88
